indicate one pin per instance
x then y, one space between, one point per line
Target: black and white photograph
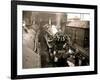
53 39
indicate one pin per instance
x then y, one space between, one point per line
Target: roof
78 23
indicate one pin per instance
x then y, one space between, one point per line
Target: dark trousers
44 58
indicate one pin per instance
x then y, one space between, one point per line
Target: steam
58 20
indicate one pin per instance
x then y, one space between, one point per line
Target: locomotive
62 53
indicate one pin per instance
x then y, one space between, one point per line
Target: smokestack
50 21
